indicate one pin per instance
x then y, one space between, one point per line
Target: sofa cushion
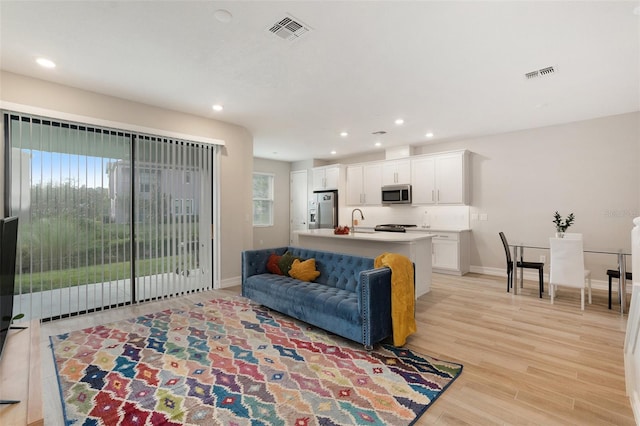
272 264
304 271
286 261
304 299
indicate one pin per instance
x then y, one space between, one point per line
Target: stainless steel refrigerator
323 210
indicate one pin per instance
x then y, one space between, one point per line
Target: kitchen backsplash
436 217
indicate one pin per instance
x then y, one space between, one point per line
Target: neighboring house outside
160 191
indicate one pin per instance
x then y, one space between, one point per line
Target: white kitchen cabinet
326 177
450 252
423 180
440 179
363 184
395 172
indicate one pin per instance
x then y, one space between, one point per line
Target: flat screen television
8 245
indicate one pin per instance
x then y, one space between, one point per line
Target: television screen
8 244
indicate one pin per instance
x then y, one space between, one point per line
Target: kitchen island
415 246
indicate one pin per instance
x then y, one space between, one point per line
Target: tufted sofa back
336 270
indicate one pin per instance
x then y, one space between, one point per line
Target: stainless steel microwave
396 194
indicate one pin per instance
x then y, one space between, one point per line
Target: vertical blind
107 217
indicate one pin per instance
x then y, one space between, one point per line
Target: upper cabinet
396 172
326 177
363 184
440 179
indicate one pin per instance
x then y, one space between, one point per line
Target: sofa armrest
375 305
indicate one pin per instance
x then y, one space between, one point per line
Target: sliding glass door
106 217
172 204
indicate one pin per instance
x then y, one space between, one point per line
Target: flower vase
559 234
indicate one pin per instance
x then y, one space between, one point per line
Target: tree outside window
262 199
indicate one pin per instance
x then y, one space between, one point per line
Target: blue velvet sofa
350 298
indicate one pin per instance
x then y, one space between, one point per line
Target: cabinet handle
432 199
438 195
364 198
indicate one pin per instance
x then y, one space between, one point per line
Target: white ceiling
453 68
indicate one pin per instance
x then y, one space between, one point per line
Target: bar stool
614 273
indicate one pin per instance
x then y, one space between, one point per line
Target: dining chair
521 264
567 267
614 273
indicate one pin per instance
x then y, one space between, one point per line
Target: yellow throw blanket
403 319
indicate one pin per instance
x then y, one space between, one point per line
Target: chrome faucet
353 226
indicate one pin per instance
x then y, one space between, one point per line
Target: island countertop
392 237
414 245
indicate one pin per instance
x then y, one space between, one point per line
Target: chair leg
582 298
589 287
541 282
609 291
619 292
509 278
552 291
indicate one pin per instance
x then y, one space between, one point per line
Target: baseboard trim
231 282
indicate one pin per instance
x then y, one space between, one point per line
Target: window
177 207
95 213
187 177
146 181
262 199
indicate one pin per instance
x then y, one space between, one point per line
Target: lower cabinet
450 252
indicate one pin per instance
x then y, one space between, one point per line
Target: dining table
518 254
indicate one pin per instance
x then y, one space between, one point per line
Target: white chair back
567 262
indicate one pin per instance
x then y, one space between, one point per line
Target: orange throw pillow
304 271
272 264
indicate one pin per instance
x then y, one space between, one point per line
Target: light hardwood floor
526 362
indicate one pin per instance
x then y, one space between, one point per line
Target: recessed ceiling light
333 153
429 135
344 134
399 121
217 107
46 63
223 15
378 143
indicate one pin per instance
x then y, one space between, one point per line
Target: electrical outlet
543 258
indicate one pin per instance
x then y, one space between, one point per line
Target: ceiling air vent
289 28
540 73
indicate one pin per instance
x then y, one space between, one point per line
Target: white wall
520 179
236 230
278 234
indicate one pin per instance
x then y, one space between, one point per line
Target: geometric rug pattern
232 362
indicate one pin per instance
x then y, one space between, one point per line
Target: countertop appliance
396 194
323 210
391 227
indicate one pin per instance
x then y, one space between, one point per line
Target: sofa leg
368 348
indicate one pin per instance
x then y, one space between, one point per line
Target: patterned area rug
231 362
